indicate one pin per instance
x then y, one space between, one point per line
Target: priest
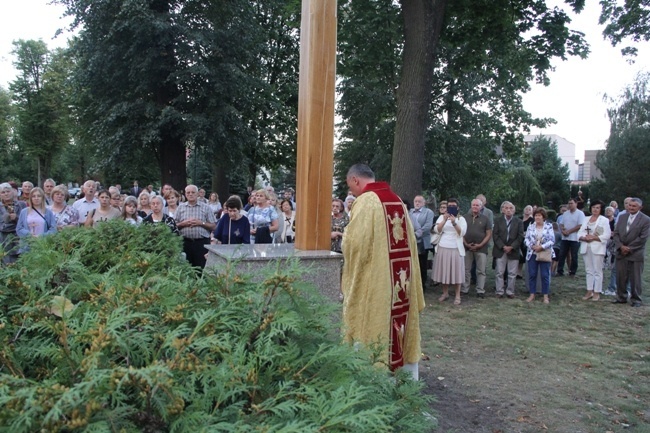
381 284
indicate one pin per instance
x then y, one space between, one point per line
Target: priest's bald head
359 175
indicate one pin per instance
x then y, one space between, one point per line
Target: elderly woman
539 240
286 234
348 203
233 227
263 218
36 219
104 212
449 267
144 205
66 216
10 209
157 216
593 236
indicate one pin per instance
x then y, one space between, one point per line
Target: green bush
107 330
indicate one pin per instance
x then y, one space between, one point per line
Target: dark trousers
628 272
424 264
565 247
195 252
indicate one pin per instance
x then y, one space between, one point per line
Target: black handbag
263 235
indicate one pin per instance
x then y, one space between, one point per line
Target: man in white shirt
572 220
88 203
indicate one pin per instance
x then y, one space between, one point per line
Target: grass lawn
504 365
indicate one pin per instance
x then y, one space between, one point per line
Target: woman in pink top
36 219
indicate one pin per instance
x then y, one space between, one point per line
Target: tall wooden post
315 168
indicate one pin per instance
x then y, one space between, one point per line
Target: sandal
443 298
457 301
546 301
588 296
596 297
531 298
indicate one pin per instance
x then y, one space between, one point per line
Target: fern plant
107 330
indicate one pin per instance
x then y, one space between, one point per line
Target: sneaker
609 293
480 295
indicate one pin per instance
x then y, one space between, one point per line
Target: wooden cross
314 168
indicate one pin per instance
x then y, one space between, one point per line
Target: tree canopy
551 173
41 108
629 20
625 160
161 78
485 57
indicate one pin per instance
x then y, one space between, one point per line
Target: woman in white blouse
593 236
449 267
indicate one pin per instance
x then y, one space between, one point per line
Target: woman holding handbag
539 240
593 236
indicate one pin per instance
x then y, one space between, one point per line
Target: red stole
399 259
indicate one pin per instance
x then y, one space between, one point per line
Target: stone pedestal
323 267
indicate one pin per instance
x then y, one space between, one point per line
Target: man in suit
507 235
136 190
630 236
422 219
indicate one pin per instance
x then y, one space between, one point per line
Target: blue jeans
544 268
612 278
565 247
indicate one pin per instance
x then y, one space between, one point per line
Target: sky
574 98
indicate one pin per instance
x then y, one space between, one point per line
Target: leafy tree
128 65
219 78
41 109
522 188
623 163
626 20
369 74
551 173
5 120
486 55
273 112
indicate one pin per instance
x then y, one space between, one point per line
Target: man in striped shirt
195 221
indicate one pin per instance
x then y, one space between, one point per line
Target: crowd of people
388 247
605 238
452 245
30 211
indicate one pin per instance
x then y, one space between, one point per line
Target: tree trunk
220 181
173 168
422 26
172 151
